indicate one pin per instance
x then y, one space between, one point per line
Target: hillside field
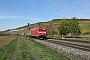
84 25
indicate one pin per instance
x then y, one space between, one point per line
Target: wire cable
59 9
78 6
78 11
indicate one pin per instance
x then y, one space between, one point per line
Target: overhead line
59 9
78 11
59 4
78 6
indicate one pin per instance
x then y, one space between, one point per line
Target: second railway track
71 44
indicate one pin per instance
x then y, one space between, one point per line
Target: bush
1 34
86 33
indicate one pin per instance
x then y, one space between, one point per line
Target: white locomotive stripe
42 32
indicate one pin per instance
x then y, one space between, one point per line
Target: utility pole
28 26
28 30
51 30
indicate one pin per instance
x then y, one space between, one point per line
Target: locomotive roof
38 28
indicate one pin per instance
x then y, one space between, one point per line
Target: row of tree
69 27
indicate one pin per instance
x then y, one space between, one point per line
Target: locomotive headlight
44 32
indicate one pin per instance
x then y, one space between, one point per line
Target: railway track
72 49
81 41
81 45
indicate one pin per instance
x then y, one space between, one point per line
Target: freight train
39 32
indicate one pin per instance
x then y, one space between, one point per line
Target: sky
18 13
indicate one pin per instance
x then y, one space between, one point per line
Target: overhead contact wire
59 8
76 7
78 11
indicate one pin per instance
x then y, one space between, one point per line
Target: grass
23 52
85 26
7 50
43 52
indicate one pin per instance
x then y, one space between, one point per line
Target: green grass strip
43 52
23 52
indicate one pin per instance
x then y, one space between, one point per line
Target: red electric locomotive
38 32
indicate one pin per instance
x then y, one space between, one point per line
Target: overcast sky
17 13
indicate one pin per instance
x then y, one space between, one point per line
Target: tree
53 32
48 29
74 27
63 27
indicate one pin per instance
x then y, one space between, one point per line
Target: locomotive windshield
41 29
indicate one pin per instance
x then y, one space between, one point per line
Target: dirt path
31 51
13 57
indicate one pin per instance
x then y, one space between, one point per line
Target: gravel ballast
72 53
